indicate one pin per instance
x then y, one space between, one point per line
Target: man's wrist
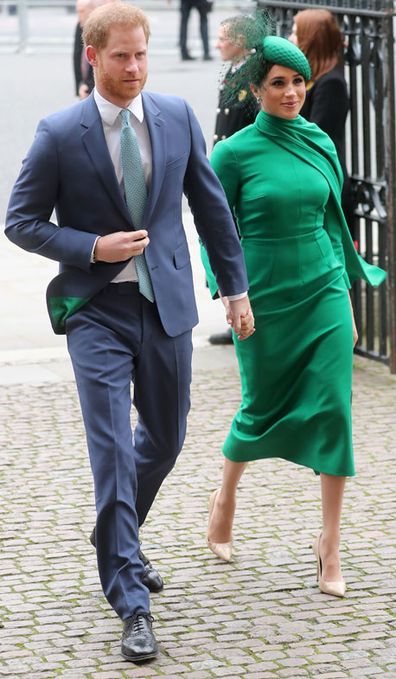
93 252
235 298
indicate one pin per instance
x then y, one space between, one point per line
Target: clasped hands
239 316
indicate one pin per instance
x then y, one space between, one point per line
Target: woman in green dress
283 181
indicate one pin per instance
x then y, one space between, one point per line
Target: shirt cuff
234 298
93 260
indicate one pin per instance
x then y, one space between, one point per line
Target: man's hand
120 246
240 316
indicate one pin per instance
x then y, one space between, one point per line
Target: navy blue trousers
117 339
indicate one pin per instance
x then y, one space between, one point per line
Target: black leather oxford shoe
151 578
138 641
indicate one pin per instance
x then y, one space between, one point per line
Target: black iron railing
368 27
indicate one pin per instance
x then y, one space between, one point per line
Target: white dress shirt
112 124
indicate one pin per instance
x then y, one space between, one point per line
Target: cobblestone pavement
260 616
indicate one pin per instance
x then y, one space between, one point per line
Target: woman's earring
258 99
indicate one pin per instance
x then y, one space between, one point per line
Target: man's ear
91 54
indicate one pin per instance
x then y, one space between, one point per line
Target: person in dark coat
237 107
83 72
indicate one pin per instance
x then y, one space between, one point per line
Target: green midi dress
296 370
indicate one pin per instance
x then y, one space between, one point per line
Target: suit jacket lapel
95 143
156 128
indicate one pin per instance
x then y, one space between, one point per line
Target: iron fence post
390 176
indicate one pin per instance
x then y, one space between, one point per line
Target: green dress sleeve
225 165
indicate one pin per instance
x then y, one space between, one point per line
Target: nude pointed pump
333 587
222 549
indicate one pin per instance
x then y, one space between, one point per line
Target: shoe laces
137 621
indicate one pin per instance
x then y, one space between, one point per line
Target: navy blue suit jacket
69 168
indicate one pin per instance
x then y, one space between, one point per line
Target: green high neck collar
264 122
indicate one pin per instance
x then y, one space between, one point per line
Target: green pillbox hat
283 52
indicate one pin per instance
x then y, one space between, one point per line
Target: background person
283 180
115 166
318 35
83 72
237 107
203 7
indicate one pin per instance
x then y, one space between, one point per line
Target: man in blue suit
117 332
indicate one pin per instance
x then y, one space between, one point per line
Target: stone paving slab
260 616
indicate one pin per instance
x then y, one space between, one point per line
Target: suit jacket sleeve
28 221
213 218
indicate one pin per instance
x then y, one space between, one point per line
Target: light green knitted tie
135 194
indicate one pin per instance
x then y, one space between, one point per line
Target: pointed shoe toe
222 549
334 588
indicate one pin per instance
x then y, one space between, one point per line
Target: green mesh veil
248 30
256 31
